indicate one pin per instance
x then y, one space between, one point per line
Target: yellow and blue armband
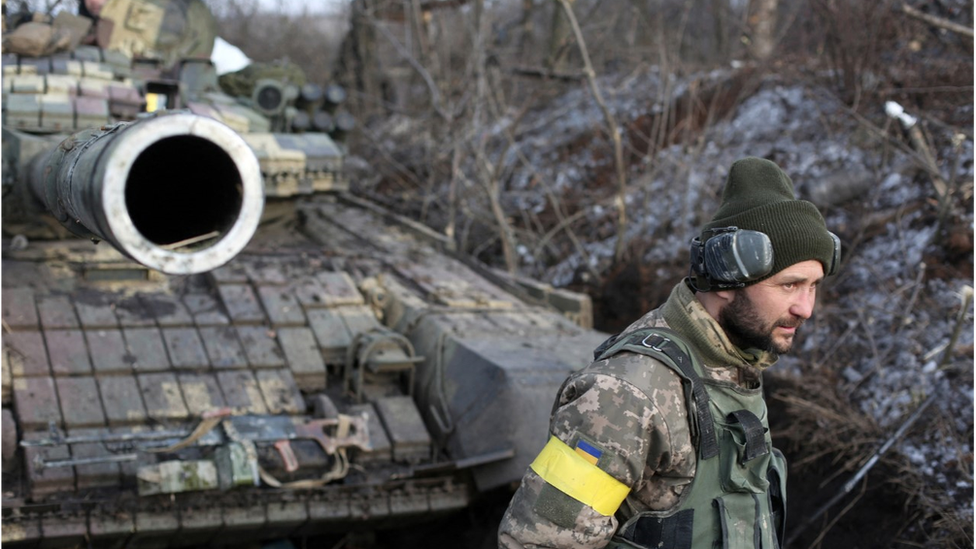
574 473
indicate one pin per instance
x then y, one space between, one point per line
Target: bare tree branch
550 74
618 154
937 21
435 93
490 175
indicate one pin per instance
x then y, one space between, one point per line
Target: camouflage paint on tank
336 309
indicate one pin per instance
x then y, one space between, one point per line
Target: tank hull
287 329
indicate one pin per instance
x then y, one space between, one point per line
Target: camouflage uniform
643 431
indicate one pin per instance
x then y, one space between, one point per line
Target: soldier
664 440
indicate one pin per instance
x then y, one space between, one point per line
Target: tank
207 339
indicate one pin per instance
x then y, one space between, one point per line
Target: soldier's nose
803 306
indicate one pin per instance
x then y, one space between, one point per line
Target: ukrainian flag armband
574 473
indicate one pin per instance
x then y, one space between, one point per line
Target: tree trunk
559 38
763 23
357 67
527 28
720 12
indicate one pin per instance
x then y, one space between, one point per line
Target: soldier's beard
746 328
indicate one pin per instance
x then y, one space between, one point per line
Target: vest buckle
655 346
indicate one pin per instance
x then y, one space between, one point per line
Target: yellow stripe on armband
571 474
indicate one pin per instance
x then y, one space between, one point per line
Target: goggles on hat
729 257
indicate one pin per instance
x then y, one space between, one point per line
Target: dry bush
852 35
940 522
426 153
824 423
874 52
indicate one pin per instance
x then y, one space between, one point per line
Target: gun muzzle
179 193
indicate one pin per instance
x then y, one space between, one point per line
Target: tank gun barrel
179 193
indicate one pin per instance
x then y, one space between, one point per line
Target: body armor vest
738 496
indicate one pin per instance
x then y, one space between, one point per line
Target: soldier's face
767 314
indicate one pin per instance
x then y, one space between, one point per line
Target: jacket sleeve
619 437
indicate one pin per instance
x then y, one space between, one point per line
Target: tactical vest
738 496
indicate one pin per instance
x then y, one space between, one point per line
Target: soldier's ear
715 301
724 296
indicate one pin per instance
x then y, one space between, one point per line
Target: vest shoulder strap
670 348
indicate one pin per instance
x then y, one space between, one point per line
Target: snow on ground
894 328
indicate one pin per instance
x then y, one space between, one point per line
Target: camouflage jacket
642 434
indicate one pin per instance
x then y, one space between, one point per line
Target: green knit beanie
758 196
